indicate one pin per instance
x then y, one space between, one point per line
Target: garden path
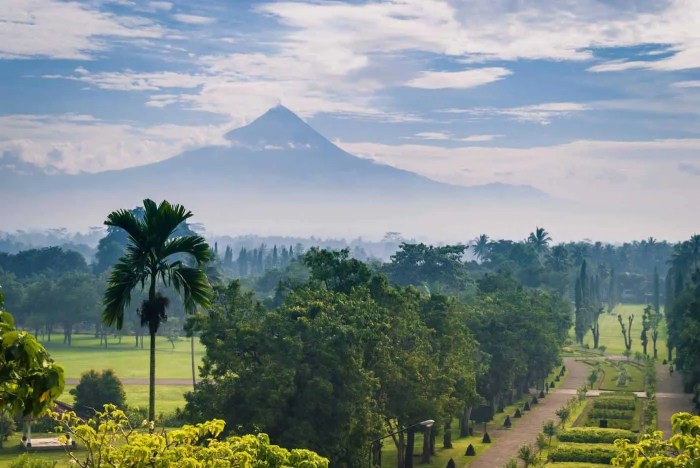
507 441
670 397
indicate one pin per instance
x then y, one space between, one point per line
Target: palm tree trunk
152 370
152 378
194 381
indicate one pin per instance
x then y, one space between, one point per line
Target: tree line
350 355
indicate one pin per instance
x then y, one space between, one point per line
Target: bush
625 424
605 413
7 426
587 453
109 440
592 435
97 389
619 403
25 461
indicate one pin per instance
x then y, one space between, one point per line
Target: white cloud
687 84
81 143
442 136
479 138
538 113
496 30
64 30
134 81
432 136
161 5
193 19
461 79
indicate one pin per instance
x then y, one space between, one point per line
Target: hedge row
591 453
614 403
612 423
594 435
606 413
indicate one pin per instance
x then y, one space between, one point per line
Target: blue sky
589 101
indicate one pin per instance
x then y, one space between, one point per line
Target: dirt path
670 397
507 441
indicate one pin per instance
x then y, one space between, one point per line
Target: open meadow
611 337
131 365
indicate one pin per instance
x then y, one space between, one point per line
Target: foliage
27 461
595 435
621 403
604 413
109 440
681 449
590 453
550 430
7 426
527 454
439 268
96 389
29 379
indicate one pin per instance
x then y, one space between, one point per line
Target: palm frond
163 219
194 286
195 246
117 297
126 220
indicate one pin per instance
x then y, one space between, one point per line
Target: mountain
276 167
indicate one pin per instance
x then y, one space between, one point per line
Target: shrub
612 423
605 413
586 453
97 389
592 435
109 440
7 426
614 403
25 461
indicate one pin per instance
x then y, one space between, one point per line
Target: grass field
129 362
168 397
126 360
611 337
635 382
11 450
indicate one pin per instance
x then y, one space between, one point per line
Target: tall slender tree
153 255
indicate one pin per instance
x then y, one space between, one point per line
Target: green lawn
168 397
12 450
126 360
611 337
635 383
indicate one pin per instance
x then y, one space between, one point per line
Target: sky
592 102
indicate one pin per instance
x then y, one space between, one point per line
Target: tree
681 449
527 454
301 370
439 268
626 331
109 440
97 389
30 380
646 326
480 246
550 430
153 253
540 239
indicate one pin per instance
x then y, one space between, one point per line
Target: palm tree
481 246
539 239
153 254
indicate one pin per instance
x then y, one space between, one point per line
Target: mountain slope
275 161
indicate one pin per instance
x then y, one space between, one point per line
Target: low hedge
594 435
606 413
587 453
625 424
614 403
